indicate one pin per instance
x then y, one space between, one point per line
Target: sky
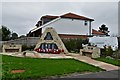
21 17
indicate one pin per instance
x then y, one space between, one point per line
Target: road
105 75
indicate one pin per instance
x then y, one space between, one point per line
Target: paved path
100 64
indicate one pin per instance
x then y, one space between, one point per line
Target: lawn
110 61
39 68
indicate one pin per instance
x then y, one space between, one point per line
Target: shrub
116 54
107 51
31 47
74 45
25 47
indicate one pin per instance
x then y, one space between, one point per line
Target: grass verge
110 61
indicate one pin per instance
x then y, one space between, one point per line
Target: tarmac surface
105 75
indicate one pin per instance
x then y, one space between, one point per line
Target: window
85 23
48 46
42 46
55 46
48 36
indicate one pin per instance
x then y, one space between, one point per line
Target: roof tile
97 32
68 15
75 16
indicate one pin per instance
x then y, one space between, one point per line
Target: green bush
107 51
116 54
25 47
31 48
74 45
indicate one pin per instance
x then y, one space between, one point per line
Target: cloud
21 17
60 0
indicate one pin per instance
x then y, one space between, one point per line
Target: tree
104 29
14 36
5 32
6 35
22 36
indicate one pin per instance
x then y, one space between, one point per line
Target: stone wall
12 48
90 51
29 41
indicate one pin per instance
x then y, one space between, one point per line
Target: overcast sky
21 17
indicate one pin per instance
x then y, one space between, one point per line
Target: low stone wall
90 51
29 41
12 48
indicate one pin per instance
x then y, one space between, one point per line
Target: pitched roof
50 17
97 32
75 16
68 15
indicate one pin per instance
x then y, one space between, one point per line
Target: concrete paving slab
100 64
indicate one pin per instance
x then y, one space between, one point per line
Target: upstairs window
48 36
85 23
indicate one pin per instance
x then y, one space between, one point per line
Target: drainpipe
90 29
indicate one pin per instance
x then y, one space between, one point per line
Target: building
97 33
102 42
66 24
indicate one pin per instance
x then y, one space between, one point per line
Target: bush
107 51
31 48
74 45
25 47
116 54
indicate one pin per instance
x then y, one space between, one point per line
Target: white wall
102 41
67 26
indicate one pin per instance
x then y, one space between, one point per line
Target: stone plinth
12 48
